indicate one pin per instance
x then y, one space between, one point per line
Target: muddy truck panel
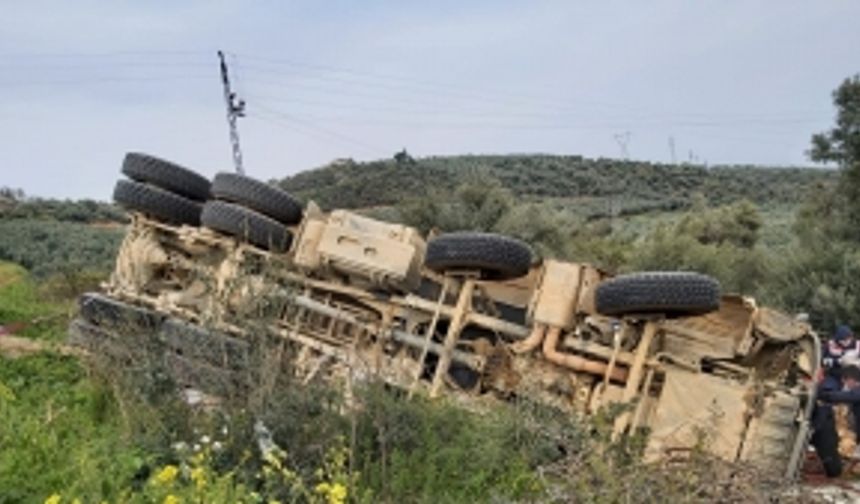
385 255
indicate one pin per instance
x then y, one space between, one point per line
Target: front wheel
670 293
493 256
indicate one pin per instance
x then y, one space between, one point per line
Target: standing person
825 439
848 395
842 348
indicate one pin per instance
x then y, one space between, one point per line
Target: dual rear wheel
233 204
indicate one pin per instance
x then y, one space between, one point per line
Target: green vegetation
48 247
589 187
81 431
14 204
748 226
77 430
59 429
72 430
21 302
52 238
820 275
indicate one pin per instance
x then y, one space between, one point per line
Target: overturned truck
475 316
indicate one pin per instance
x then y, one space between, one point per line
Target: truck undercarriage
467 315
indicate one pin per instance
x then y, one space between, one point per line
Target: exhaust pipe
534 339
575 362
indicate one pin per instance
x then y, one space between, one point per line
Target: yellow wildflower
198 476
289 475
199 458
54 499
167 475
273 460
337 495
333 493
171 499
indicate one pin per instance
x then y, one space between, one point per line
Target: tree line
577 181
15 204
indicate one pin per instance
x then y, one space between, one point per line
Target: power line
438 104
290 119
104 54
385 99
383 81
441 94
314 132
388 81
100 79
440 108
431 123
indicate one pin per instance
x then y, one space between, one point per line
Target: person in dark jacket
842 349
849 394
825 439
825 436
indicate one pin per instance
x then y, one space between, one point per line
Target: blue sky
730 82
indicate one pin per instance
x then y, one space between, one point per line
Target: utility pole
623 139
672 149
235 110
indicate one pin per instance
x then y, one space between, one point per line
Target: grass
22 303
59 428
59 431
63 431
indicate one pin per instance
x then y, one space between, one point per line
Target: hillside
544 199
49 236
55 236
591 187
15 205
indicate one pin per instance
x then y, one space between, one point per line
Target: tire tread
246 225
258 196
157 203
671 292
166 175
496 256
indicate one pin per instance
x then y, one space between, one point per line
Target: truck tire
246 225
259 196
166 175
494 256
674 293
104 311
157 203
